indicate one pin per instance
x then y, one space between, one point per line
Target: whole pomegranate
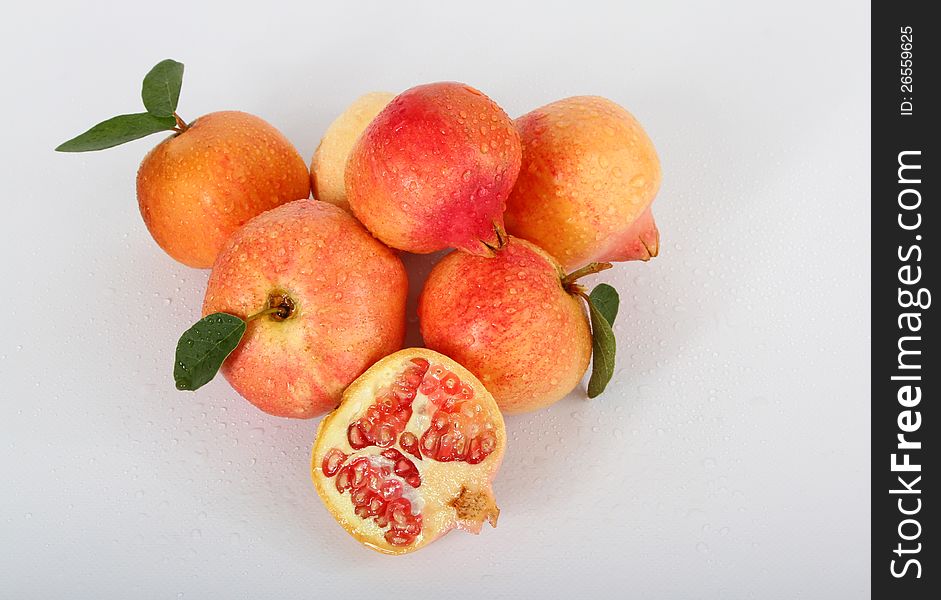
588 178
410 453
515 320
433 170
328 166
337 302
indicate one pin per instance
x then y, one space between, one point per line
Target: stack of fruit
305 307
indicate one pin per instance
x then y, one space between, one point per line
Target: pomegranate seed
360 497
360 466
343 479
409 443
398 539
458 421
445 448
413 378
355 436
391 489
438 372
437 397
421 363
332 462
385 436
451 383
400 505
412 528
429 441
459 447
406 395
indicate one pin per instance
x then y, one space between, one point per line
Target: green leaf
161 89
118 130
602 351
606 300
204 347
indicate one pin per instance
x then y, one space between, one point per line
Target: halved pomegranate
410 453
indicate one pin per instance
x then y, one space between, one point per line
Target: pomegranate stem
181 125
591 268
261 313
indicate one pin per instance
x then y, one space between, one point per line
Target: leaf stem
181 125
568 282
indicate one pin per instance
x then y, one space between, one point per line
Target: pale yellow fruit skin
328 165
588 178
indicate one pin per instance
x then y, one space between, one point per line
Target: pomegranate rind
445 487
510 321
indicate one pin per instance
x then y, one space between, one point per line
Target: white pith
408 492
441 483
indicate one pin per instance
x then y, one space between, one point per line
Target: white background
728 459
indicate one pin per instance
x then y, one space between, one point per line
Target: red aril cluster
388 416
376 486
459 430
